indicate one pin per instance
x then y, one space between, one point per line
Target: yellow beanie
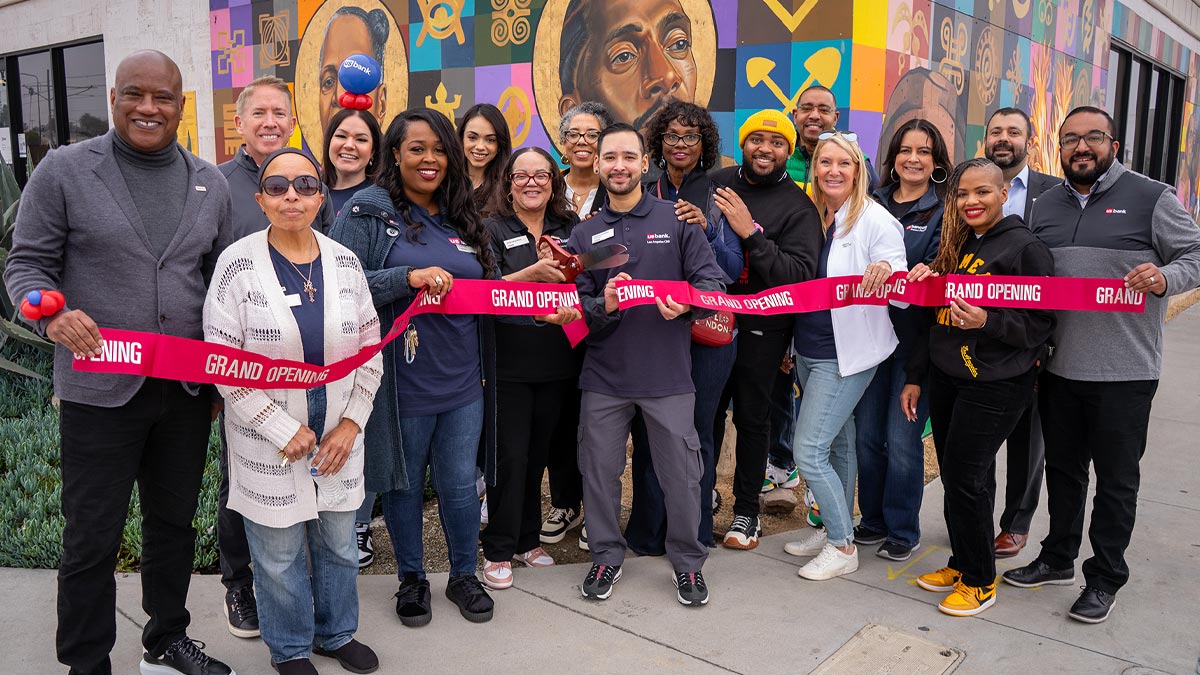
769 120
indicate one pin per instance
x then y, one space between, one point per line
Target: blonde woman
838 350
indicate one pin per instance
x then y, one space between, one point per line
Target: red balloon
346 100
362 102
29 311
49 305
62 302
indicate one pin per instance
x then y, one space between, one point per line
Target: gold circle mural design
547 89
308 71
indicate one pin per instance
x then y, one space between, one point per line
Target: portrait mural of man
341 28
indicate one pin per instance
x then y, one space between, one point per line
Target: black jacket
248 216
1013 340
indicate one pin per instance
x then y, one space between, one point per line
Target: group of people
277 254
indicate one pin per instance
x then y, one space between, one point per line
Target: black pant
1023 480
759 354
566 483
1104 424
233 551
970 420
158 439
528 414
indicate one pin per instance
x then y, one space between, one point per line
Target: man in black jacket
1007 145
782 239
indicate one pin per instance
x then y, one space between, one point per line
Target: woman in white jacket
291 293
837 350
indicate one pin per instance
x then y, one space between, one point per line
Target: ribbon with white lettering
174 358
1050 293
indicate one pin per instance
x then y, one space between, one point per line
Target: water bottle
330 488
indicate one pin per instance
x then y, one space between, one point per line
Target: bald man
128 226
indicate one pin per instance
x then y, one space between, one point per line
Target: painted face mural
534 59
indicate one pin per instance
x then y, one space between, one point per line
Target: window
1146 102
50 97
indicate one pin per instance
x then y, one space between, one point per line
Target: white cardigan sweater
245 308
863 334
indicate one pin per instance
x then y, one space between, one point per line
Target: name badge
601 236
200 188
292 300
461 246
516 241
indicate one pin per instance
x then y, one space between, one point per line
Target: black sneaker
473 601
558 523
865 536
1093 605
1038 573
895 551
412 601
354 657
743 533
690 588
366 548
598 584
184 656
241 612
295 667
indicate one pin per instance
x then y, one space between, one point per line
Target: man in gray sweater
128 226
1103 221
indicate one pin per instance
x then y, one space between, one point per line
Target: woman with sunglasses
985 363
891 456
683 141
487 144
537 370
578 131
351 155
289 292
837 350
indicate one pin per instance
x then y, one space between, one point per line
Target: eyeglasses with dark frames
673 139
540 178
574 136
1094 139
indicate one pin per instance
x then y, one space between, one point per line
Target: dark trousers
566 483
232 549
759 354
785 408
646 531
158 440
970 420
528 414
1103 424
1026 464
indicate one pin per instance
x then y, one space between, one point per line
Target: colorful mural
887 61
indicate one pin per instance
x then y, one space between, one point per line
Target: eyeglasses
1094 139
807 108
539 179
277 186
689 140
574 136
849 135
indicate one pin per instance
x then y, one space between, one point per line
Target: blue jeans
824 442
891 456
646 532
363 515
306 584
447 443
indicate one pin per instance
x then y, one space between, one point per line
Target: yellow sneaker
940 581
968 600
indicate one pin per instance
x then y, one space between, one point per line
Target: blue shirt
310 316
813 337
338 198
445 374
1017 191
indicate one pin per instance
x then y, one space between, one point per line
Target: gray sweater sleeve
39 238
1177 242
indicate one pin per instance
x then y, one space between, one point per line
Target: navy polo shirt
310 316
445 374
635 353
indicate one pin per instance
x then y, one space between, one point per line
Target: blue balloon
34 298
359 74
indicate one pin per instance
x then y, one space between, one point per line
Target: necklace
308 285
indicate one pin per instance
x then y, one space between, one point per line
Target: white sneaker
830 563
809 545
783 478
483 515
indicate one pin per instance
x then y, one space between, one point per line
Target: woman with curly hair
487 144
683 141
578 131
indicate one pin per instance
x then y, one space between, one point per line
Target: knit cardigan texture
246 309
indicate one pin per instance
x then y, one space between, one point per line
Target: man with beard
1007 145
816 112
1103 221
631 55
782 239
639 359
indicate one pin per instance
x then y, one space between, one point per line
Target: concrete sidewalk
762 617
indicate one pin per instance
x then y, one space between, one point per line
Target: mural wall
951 61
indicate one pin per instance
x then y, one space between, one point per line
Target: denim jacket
368 225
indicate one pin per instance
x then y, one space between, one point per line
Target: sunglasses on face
277 186
688 139
539 179
1094 139
849 135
